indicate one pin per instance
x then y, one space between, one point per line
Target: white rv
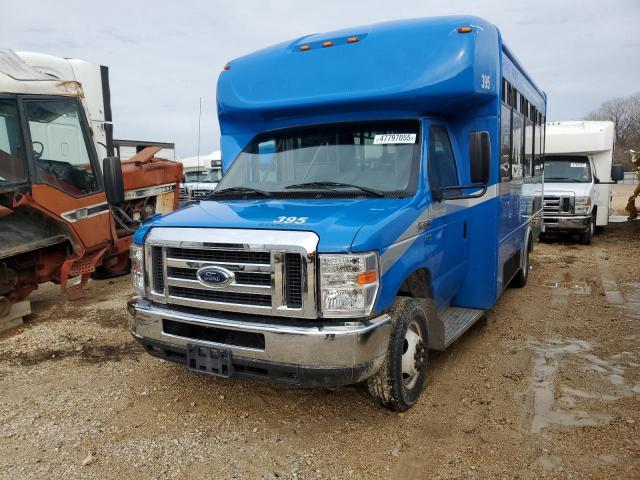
578 172
201 175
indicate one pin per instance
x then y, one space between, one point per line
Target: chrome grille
558 205
198 194
274 277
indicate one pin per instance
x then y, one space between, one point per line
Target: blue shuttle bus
382 188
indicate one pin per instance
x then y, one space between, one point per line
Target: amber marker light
352 39
464 30
304 48
327 44
367 277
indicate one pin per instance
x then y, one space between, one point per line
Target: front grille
558 205
225 256
293 292
221 296
196 194
267 278
158 275
242 278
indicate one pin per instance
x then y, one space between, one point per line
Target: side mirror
617 173
113 182
479 156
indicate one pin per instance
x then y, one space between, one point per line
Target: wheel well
417 285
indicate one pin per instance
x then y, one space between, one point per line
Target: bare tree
625 113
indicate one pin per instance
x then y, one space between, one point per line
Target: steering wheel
38 154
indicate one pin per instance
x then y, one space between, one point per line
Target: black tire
520 280
390 387
587 237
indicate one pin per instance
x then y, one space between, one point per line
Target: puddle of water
579 288
546 411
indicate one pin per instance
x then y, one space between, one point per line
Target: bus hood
577 189
342 225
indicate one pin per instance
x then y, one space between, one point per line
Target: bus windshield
380 157
567 169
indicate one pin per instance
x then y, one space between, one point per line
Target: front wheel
587 237
402 376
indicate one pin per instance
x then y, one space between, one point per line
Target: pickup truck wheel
401 378
587 237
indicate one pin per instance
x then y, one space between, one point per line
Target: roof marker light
227 67
352 39
327 44
304 48
464 30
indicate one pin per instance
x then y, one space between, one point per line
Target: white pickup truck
578 172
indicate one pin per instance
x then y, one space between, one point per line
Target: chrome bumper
577 223
321 345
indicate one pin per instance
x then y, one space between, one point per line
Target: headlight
136 253
583 204
348 284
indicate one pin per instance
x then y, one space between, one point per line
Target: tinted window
505 143
528 148
517 132
441 169
12 154
537 154
60 146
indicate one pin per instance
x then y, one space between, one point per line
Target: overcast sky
164 56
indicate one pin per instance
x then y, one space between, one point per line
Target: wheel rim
412 355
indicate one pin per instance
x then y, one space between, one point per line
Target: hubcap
412 355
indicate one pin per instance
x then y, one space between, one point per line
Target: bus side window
441 166
517 149
505 143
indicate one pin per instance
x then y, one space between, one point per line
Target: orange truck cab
55 222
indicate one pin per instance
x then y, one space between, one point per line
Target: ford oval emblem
215 276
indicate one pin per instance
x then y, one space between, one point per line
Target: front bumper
299 352
578 223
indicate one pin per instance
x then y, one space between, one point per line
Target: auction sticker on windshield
391 138
578 165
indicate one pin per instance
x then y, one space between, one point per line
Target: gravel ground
547 386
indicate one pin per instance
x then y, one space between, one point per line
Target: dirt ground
547 386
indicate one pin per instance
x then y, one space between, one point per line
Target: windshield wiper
565 179
239 190
329 185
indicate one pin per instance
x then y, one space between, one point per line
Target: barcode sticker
391 138
578 165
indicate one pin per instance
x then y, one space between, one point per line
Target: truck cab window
441 168
12 155
59 146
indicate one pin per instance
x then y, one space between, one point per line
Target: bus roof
415 67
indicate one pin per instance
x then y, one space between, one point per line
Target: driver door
65 168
